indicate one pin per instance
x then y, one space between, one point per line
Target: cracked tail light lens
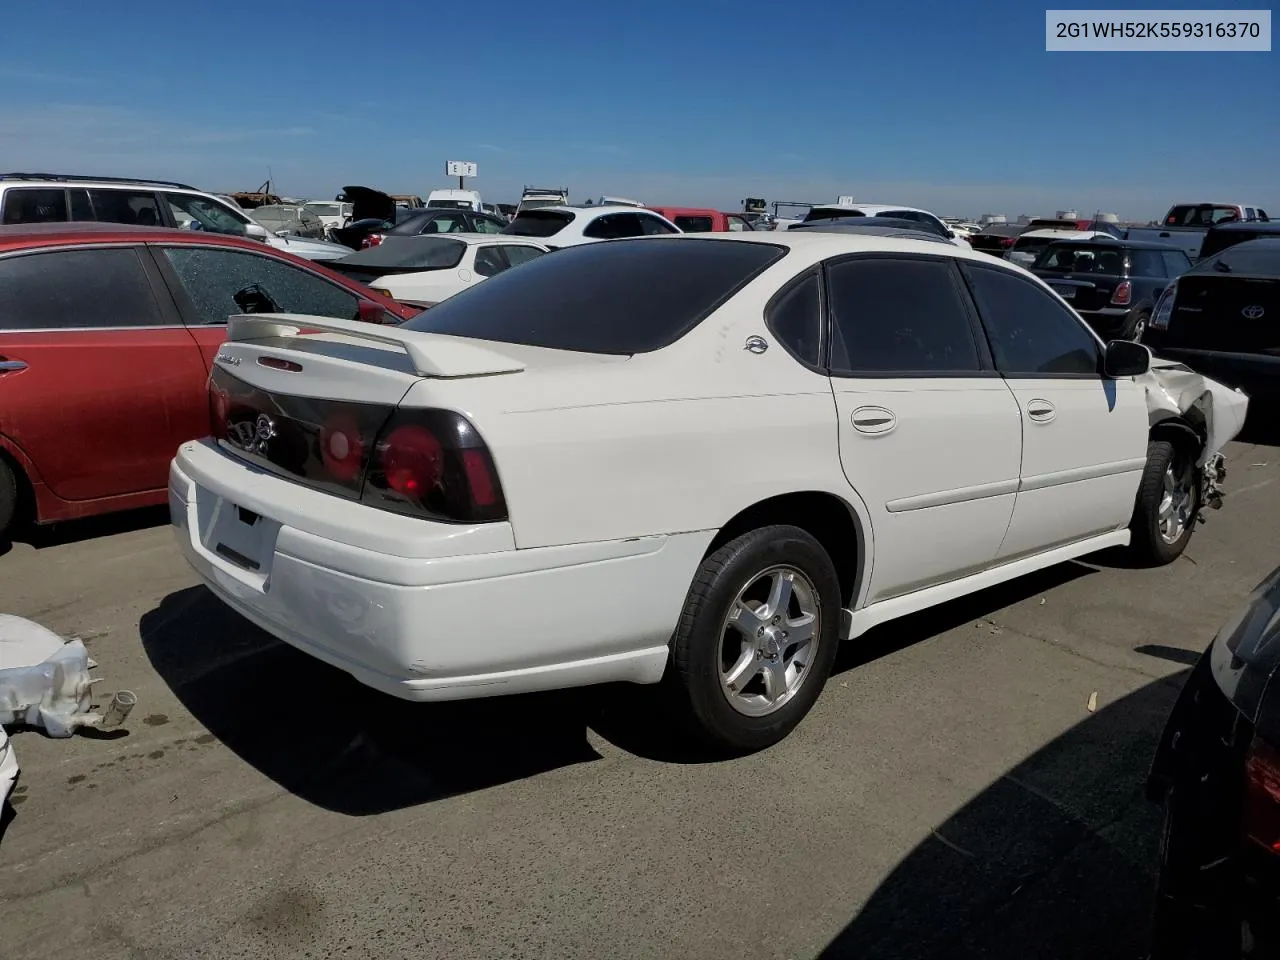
1262 795
434 465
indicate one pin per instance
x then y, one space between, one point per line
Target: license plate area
236 535
1066 293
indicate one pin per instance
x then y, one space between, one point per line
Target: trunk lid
1232 314
307 397
370 204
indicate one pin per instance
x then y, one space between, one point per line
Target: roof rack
77 178
552 190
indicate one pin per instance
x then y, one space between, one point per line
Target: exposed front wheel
1137 327
1168 504
756 639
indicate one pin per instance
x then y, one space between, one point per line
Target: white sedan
429 268
697 461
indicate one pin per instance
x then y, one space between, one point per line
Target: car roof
1113 242
1249 226
1068 234
471 239
18 236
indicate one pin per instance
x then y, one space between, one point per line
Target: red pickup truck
702 220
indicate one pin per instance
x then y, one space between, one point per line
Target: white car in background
567 226
334 214
426 269
698 460
928 221
1028 245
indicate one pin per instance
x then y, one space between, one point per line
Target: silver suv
61 198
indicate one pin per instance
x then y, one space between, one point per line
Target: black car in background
1217 775
1229 234
1112 284
1222 318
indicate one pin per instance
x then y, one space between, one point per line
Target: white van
455 200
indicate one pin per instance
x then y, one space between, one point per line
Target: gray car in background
291 221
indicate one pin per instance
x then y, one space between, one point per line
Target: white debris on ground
45 681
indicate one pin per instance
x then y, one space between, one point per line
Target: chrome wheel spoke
768 640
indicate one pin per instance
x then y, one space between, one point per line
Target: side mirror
371 312
255 231
1124 358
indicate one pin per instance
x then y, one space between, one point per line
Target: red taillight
342 447
432 464
1262 795
412 460
372 240
1006 241
1122 294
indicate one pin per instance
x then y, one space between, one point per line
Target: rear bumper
1109 321
436 624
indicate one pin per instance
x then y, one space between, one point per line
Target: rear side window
1176 263
1030 332
695 224
796 320
519 253
609 298
615 226
1147 263
538 223
35 205
76 288
137 207
652 226
489 262
220 283
898 317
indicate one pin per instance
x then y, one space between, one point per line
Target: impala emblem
252 435
1253 312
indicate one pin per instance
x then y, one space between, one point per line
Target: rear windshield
420 253
538 223
546 202
695 224
629 296
449 204
1081 258
1200 215
827 213
1217 240
1255 258
1030 244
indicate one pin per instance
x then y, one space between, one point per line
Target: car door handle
1041 411
11 366
873 420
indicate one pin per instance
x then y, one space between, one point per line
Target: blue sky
948 105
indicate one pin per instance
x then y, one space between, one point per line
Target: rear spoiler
430 354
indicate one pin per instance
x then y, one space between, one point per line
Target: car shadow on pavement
336 743
1056 858
340 745
90 528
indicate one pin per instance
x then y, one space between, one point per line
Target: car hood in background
370 204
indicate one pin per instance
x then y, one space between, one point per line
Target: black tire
8 499
692 679
1134 329
1146 541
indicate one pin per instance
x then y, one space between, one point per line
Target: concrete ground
951 795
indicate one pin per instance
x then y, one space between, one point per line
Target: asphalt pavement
951 795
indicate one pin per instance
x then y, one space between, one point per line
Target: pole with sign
460 169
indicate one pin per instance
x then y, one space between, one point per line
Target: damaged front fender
1213 412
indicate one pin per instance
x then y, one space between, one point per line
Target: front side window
137 207
76 288
892 316
220 283
35 205
736 224
1030 332
200 213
